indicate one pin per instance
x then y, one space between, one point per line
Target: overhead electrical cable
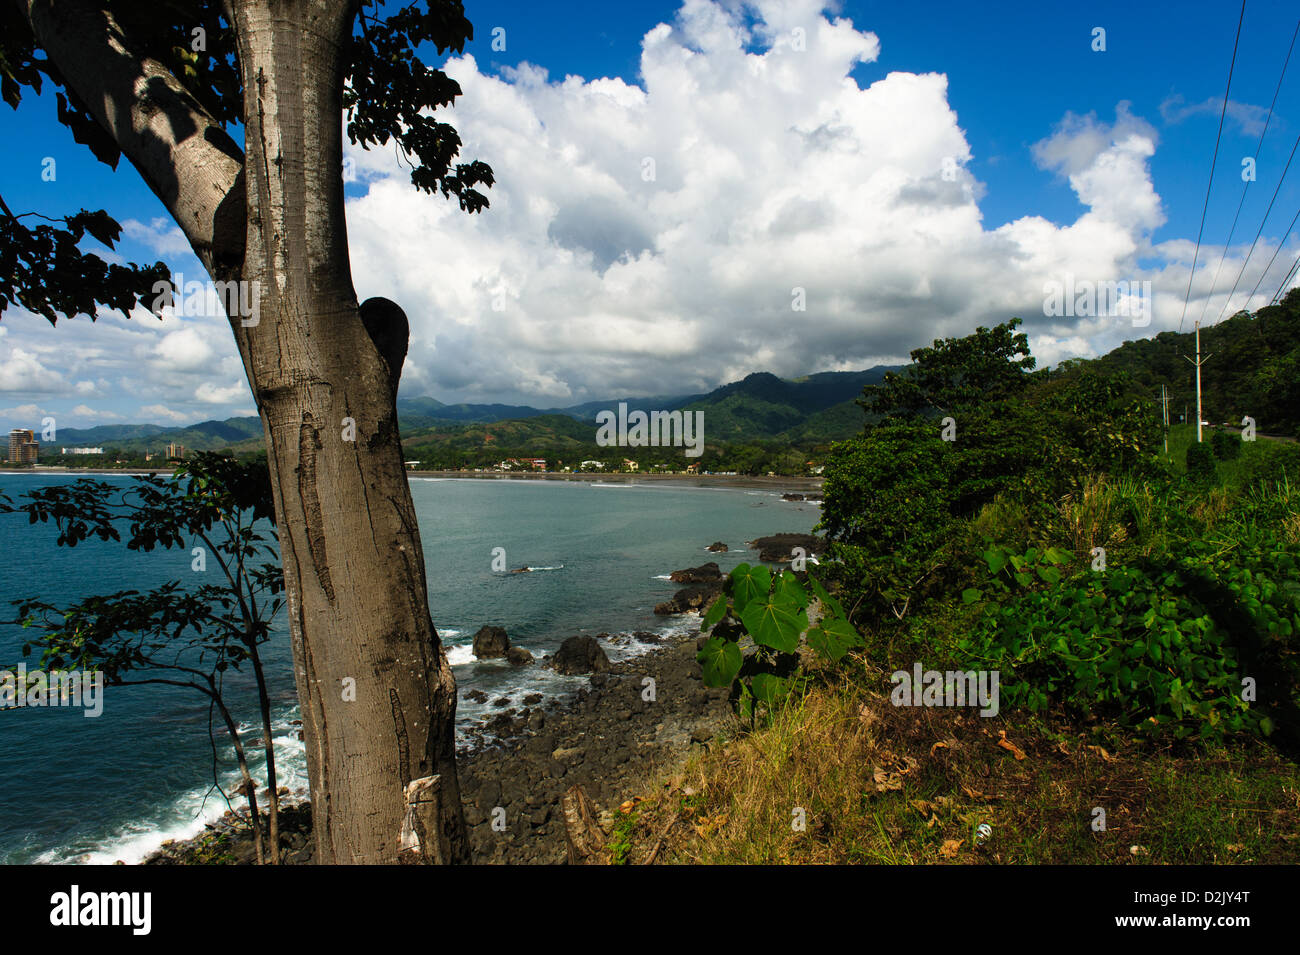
1246 185
1213 163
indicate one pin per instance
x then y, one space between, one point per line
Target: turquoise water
96 790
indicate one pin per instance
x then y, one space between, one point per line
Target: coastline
608 738
750 481
746 481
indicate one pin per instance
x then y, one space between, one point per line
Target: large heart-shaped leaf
775 623
720 660
715 613
749 583
996 559
827 600
834 638
769 688
789 588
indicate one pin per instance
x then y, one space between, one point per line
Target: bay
113 787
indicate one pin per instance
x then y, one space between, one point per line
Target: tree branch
184 155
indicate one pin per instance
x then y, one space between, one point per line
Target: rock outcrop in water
694 597
704 574
580 655
491 643
779 548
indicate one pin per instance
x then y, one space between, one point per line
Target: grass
843 776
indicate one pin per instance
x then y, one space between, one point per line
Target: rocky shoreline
611 736
636 718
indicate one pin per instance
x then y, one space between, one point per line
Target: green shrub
1225 445
1200 462
1274 461
1159 644
772 610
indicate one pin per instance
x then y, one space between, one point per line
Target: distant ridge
817 407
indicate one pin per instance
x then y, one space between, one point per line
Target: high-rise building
23 446
175 450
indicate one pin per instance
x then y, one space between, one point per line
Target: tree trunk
377 694
268 748
249 785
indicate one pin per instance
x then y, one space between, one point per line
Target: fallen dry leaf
1011 747
949 848
1101 751
886 782
709 825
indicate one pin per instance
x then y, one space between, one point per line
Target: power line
1260 232
1213 163
1285 279
1281 243
1246 186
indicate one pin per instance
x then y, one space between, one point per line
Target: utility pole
1198 363
1164 415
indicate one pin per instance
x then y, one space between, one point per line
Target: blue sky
774 171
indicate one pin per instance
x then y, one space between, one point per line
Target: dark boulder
695 597
519 656
703 574
779 548
717 547
491 643
580 655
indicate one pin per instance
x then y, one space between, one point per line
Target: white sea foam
186 816
460 655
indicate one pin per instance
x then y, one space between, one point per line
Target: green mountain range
814 409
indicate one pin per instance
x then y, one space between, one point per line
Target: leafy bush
1160 644
1225 445
1200 462
1274 461
772 610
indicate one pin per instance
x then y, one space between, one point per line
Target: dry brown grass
879 783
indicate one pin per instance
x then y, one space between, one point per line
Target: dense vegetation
1253 369
1138 594
1097 575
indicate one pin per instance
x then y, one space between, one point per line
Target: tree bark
377 694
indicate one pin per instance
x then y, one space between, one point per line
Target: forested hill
1253 368
812 409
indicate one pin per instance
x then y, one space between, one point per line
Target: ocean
75 789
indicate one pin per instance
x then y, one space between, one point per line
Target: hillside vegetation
1142 611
